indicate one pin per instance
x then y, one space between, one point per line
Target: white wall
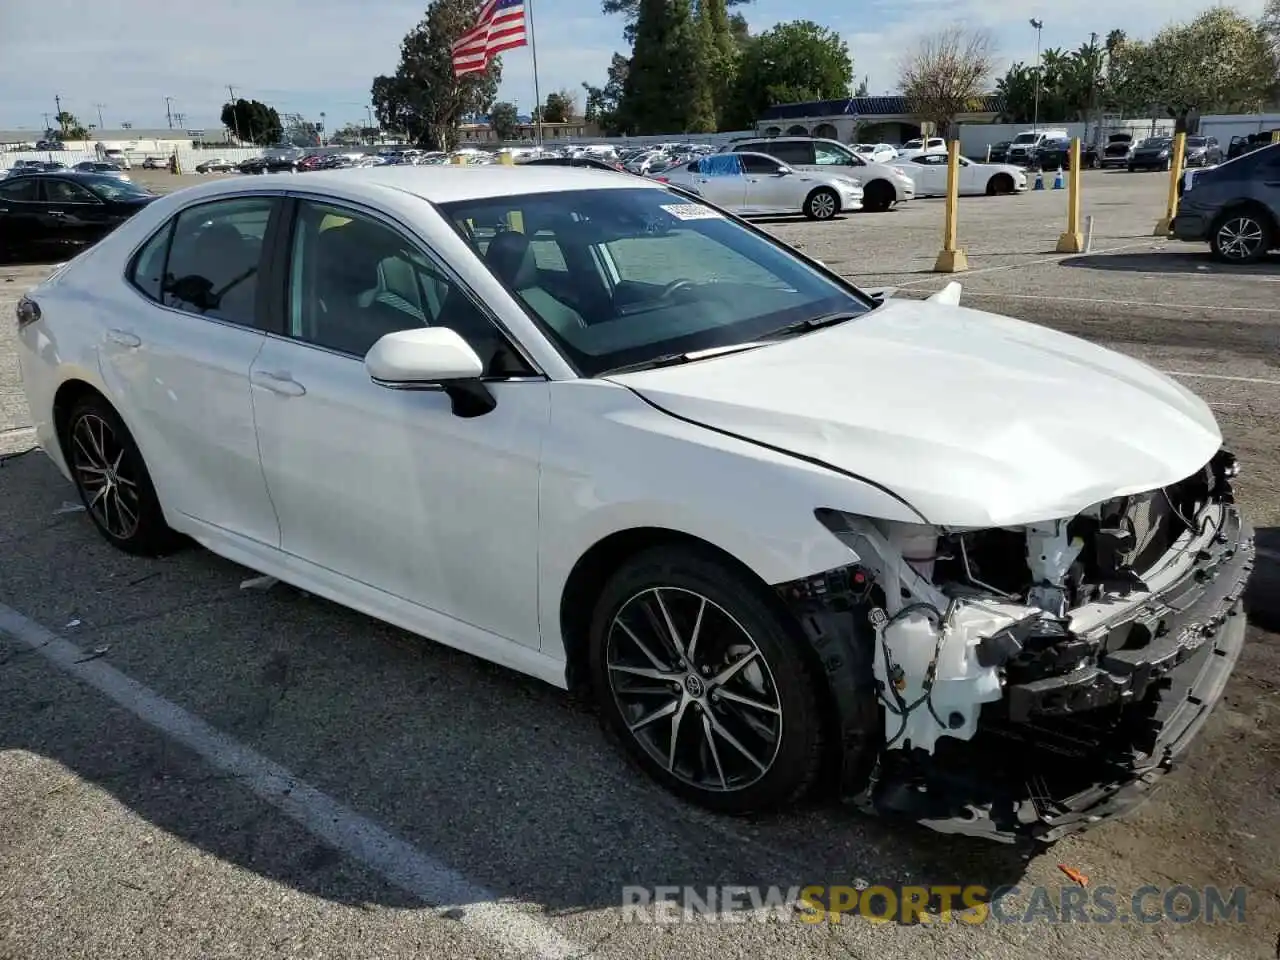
1224 127
186 157
976 137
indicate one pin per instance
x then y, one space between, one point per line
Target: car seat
510 257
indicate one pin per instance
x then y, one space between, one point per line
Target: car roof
448 183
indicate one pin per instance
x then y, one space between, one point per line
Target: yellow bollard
506 159
1275 136
951 259
1073 240
1165 224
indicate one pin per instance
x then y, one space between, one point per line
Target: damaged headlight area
1027 681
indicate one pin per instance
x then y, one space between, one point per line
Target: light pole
168 110
1035 122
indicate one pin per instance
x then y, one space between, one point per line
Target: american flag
499 27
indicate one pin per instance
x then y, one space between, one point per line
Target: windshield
112 188
1026 138
1197 142
1157 142
622 276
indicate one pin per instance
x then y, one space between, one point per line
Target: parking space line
1022 263
1221 376
1119 303
514 932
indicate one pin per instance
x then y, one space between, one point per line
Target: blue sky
308 56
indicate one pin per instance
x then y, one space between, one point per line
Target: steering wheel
675 286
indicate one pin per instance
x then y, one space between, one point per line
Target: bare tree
946 75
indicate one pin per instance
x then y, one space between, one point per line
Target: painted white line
514 932
1221 376
1021 263
1121 303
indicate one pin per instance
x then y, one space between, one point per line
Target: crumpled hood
974 419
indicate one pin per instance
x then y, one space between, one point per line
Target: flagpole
537 94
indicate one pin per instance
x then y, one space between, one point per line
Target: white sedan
584 426
875 152
929 171
755 184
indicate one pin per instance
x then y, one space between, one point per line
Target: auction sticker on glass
690 211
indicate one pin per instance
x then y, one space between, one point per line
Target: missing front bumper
1056 753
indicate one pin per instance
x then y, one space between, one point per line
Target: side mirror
432 357
429 355
784 171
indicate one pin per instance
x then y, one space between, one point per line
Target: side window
20 190
355 279
147 272
758 165
213 260
64 191
825 153
790 151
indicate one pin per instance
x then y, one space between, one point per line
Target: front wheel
1241 236
999 185
878 195
113 481
822 204
706 684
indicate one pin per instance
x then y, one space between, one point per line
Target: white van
924 145
1022 148
119 158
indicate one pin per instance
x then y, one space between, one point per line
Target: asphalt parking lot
328 782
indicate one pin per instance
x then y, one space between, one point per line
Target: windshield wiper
812 323
675 359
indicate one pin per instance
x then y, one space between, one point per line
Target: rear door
20 223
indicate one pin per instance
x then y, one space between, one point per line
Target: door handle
280 383
124 338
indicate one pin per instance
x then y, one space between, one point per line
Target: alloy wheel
694 689
1239 238
104 476
823 206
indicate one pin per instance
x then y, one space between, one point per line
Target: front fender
613 463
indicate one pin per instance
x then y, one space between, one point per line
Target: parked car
21 167
1203 151
216 165
999 152
587 162
1154 153
155 163
1235 207
1116 152
1022 148
648 421
755 184
1253 141
924 145
118 157
44 213
883 185
875 152
929 171
1055 154
252 165
100 167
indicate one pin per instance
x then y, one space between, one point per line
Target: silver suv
882 185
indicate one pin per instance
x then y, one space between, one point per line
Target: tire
878 195
1131 168
1095 162
822 204
784 730
95 439
999 185
1252 231
1167 165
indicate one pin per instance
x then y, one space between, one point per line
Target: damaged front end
1025 682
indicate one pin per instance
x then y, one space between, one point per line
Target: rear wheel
113 482
822 204
705 683
878 195
1242 235
999 185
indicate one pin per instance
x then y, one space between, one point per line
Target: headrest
511 257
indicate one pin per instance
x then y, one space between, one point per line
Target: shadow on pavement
1191 260
499 776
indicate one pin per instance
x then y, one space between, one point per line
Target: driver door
930 172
